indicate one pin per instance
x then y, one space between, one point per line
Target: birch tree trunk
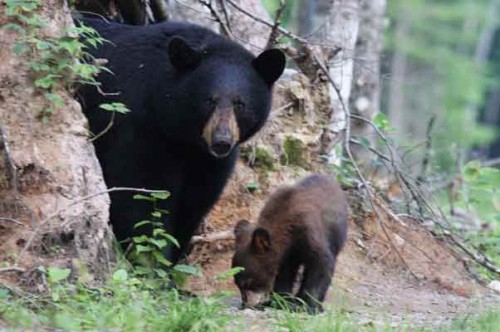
365 94
45 168
341 30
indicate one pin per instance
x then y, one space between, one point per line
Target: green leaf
156 214
171 239
160 258
115 107
140 248
19 48
159 243
56 274
120 275
229 273
140 197
140 239
252 186
381 121
470 171
161 195
142 223
160 273
188 269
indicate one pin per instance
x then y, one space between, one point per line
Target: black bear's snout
221 133
221 148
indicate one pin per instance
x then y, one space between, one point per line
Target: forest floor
389 274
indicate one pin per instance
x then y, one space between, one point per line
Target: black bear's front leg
318 275
287 275
204 180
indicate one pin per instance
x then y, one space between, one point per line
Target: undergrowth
123 303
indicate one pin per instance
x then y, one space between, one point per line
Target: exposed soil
413 278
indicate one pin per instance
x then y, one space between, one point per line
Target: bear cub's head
256 253
224 91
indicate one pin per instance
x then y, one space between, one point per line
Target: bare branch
12 269
223 24
269 24
273 36
15 221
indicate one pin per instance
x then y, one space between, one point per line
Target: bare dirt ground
389 272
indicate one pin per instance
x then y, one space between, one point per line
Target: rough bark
45 167
365 95
340 30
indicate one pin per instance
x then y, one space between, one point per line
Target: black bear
194 97
301 225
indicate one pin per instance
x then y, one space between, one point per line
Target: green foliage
115 107
55 61
438 41
293 152
123 303
147 251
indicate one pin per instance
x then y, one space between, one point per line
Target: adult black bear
194 96
306 225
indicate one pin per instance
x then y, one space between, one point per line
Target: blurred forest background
440 92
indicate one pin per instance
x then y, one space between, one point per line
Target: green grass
126 303
126 306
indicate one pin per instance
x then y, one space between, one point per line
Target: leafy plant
55 61
148 250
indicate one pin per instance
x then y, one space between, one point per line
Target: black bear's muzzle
221 133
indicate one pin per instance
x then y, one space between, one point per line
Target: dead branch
427 154
105 130
15 221
12 269
223 24
213 237
269 24
274 35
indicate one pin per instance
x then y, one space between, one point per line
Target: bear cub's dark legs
318 273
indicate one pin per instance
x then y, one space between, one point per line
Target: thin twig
212 237
225 28
105 130
427 153
15 221
73 203
12 269
269 24
274 35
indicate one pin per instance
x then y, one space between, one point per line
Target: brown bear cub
301 225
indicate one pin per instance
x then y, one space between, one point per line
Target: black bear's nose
221 148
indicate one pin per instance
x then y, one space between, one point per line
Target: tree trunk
396 89
341 30
46 167
365 94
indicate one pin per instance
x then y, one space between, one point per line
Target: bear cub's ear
270 65
182 56
261 241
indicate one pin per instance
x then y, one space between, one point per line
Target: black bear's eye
239 106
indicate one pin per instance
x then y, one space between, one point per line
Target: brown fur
304 224
221 125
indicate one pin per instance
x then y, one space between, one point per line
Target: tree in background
434 71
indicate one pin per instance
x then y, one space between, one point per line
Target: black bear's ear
261 241
181 55
270 65
242 227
